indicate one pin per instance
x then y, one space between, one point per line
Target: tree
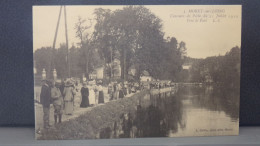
60 60
173 59
85 43
135 33
221 69
42 59
75 67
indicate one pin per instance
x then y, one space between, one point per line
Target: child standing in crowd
57 102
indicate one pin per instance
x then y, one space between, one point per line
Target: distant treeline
218 69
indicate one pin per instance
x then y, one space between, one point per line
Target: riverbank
163 90
88 125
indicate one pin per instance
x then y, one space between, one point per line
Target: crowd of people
62 96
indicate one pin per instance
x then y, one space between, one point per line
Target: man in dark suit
45 99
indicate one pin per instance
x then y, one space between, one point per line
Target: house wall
117 71
187 67
145 78
100 73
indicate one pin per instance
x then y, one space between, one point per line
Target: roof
145 73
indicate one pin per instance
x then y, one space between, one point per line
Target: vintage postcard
132 71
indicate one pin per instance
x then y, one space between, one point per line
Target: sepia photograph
135 71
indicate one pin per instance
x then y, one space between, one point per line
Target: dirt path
76 113
89 123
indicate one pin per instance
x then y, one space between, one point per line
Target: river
189 111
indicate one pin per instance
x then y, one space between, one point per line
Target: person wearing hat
120 90
45 100
92 96
69 93
100 94
84 94
57 102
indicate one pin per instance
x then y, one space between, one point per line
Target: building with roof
146 77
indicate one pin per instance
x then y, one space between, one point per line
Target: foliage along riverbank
88 125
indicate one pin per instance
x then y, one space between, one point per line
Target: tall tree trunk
88 61
87 69
86 65
104 69
122 65
125 68
111 63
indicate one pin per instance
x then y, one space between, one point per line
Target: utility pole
52 66
67 42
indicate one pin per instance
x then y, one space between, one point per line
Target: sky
203 38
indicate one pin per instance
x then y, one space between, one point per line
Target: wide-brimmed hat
43 80
58 83
68 83
46 80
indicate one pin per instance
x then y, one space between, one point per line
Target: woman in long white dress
69 93
92 96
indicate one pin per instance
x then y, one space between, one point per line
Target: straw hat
68 83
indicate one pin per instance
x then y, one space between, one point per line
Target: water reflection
214 99
177 113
